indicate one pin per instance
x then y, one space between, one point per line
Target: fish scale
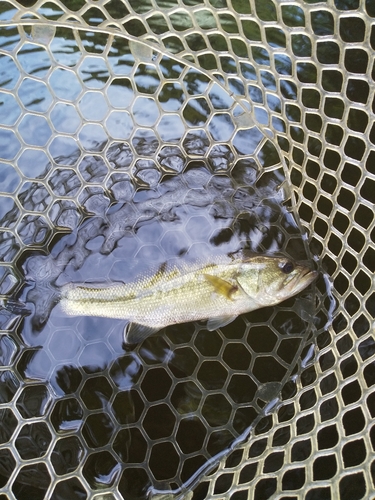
137 303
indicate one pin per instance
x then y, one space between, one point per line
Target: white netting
152 130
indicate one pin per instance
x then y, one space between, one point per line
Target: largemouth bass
215 292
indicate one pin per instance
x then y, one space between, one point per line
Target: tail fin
44 296
14 306
36 298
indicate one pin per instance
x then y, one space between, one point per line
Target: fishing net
139 133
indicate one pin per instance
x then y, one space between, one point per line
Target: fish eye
288 267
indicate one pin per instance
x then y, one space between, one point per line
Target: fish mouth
300 280
310 275
305 278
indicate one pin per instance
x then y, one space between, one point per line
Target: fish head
270 280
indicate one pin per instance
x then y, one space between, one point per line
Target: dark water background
161 164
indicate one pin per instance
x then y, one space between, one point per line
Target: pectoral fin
218 322
222 287
134 333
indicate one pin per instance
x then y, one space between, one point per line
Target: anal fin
219 321
134 333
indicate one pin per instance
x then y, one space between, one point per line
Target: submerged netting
134 134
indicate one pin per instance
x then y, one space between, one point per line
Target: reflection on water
194 215
212 385
146 161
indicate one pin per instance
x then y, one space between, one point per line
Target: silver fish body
215 292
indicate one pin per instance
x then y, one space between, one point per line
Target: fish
216 292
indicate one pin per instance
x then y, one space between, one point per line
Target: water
164 165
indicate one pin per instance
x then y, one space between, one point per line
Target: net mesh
106 101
